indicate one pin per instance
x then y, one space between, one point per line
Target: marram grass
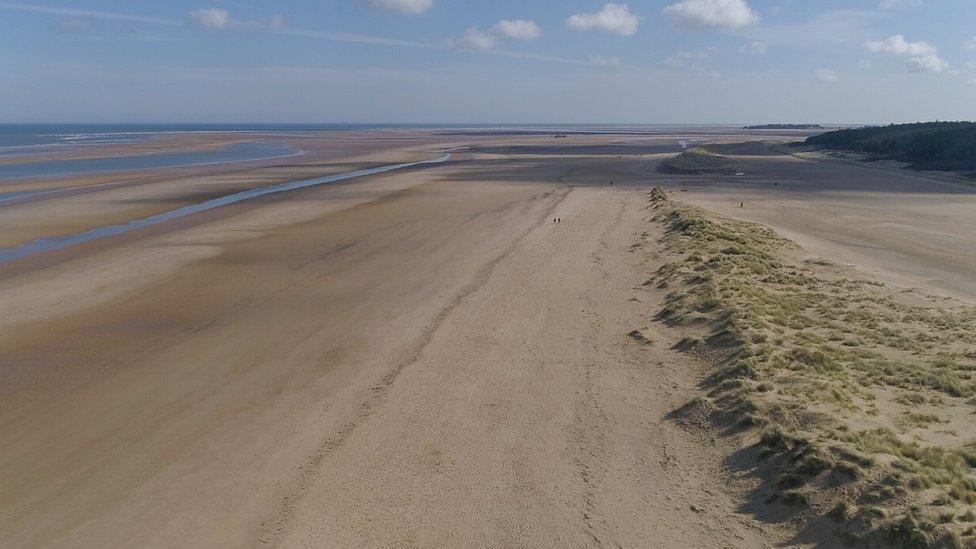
828 368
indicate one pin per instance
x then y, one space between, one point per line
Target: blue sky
646 61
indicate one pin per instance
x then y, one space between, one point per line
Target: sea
15 138
18 140
25 140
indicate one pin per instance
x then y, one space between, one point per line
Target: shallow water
20 195
237 152
31 138
61 242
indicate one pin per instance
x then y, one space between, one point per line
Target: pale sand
907 228
416 358
421 357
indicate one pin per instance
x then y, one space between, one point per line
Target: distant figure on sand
741 204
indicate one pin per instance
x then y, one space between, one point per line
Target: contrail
75 12
321 35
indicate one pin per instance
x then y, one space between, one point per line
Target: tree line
947 146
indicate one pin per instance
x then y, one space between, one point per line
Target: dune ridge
857 397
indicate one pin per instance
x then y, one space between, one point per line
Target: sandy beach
909 228
423 357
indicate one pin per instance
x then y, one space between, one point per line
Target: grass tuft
823 362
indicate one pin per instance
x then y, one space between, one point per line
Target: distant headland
784 127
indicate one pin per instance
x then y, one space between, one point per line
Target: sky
478 61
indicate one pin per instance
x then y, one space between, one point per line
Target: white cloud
827 75
971 44
897 45
211 18
755 47
898 4
277 21
702 72
927 63
683 57
713 14
475 39
220 19
922 56
401 6
604 61
613 18
517 29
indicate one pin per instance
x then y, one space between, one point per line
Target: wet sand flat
241 378
77 204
